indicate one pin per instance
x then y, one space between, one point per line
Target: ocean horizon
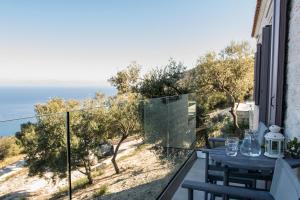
17 103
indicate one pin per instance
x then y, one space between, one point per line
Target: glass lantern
274 143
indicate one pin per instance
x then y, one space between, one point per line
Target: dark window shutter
257 67
265 74
281 62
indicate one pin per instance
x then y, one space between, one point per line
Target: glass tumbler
231 146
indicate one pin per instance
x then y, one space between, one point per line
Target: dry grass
97 172
100 192
144 173
77 184
143 176
135 152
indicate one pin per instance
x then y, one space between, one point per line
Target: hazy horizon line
54 83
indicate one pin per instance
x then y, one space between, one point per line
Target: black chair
285 186
214 172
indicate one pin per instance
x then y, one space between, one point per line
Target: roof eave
258 4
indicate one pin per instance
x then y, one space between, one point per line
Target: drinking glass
231 146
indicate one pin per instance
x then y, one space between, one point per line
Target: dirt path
11 169
18 183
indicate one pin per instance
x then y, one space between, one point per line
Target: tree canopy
126 80
44 142
165 81
229 73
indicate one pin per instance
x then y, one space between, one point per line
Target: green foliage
8 147
124 114
89 129
228 127
126 80
222 125
124 119
78 184
244 125
293 148
217 125
167 81
44 142
227 75
101 191
211 101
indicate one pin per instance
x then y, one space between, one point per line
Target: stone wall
292 114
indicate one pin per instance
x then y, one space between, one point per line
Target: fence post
69 154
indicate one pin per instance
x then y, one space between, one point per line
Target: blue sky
86 41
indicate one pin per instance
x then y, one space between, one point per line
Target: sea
17 103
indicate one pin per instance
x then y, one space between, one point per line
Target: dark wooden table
260 163
240 161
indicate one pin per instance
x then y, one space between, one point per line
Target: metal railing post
69 154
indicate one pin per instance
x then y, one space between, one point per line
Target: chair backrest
262 128
285 184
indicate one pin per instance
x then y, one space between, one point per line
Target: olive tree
124 120
230 72
126 80
44 142
164 81
88 131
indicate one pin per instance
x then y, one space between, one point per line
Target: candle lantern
274 143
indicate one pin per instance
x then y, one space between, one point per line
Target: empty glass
231 146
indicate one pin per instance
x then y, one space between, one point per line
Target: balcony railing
73 153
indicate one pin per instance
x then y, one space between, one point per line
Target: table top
246 162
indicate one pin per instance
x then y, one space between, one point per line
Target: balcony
124 150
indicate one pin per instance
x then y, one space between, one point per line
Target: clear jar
255 146
245 147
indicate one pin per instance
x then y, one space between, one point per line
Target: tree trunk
89 176
235 121
113 160
88 171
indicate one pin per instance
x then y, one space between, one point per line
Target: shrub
97 172
101 191
8 147
77 184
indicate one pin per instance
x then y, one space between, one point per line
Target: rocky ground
143 176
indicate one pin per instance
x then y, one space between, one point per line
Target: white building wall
265 18
292 116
